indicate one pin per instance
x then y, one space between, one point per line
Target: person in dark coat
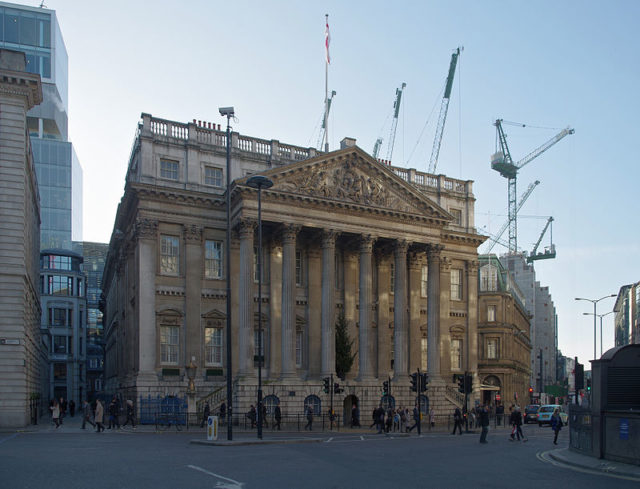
416 418
556 425
516 422
113 414
86 414
205 414
72 407
223 412
130 414
457 421
309 424
277 415
355 417
484 423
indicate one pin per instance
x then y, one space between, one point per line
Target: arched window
424 405
388 401
270 403
315 403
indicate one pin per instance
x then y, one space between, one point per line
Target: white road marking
544 457
232 484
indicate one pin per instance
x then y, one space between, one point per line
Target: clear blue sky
543 63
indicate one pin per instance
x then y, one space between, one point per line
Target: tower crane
323 130
444 108
548 252
523 198
376 148
394 124
501 162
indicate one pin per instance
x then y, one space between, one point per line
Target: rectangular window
456 354
169 343
491 314
456 284
457 216
169 169
488 278
80 287
60 344
298 267
59 317
213 260
392 278
424 281
59 285
298 349
213 346
212 176
59 371
169 254
492 349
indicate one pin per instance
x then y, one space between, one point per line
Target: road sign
212 428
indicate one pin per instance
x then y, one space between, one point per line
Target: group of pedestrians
93 415
398 420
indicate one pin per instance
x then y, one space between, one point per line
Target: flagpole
326 87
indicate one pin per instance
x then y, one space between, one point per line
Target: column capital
434 250
192 233
146 228
366 243
415 259
289 233
329 238
401 246
246 228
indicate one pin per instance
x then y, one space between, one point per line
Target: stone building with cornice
393 250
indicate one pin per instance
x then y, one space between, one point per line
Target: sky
544 64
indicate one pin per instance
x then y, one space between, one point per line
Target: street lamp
260 182
228 112
595 302
600 316
191 375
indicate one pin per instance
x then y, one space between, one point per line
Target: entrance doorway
347 410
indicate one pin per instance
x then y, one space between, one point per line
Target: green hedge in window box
214 372
170 372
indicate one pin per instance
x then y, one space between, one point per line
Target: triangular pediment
353 177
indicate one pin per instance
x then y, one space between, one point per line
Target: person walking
265 423
72 407
457 421
516 422
205 414
556 425
355 417
374 417
416 418
483 417
309 424
55 413
99 416
432 418
86 414
63 408
277 416
223 413
130 414
113 414
252 416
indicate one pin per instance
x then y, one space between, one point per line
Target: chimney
347 143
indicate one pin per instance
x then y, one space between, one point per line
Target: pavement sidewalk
575 459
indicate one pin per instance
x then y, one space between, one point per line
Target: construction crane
501 162
523 198
394 122
444 108
376 148
549 252
323 130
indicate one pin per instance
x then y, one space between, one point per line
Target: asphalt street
71 458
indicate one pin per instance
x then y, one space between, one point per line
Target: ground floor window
314 402
169 343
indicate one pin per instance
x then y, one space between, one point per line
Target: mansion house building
392 250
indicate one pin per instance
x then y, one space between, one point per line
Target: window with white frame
169 344
492 348
213 259
456 284
456 354
213 176
169 254
491 313
488 278
213 346
299 338
168 169
424 281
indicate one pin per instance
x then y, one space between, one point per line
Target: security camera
226 111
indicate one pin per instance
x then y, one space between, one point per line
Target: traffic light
327 384
385 388
579 376
468 383
530 391
414 382
337 389
424 380
461 384
588 384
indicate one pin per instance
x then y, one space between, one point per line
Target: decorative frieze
146 228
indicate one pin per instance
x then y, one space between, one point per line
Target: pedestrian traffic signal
385 388
468 383
424 380
337 389
461 383
414 382
327 385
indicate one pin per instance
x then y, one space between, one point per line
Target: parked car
546 411
531 413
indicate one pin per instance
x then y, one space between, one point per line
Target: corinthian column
245 299
328 364
289 301
400 337
364 347
433 309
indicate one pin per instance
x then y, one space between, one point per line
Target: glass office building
36 32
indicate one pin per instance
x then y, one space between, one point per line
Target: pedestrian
403 420
113 414
130 414
55 413
63 408
499 414
483 416
355 417
86 414
380 419
516 422
457 421
556 425
432 418
389 420
374 417
252 416
264 416
309 424
205 415
416 418
99 416
396 421
223 412
277 415
72 407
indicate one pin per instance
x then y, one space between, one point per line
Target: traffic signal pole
331 405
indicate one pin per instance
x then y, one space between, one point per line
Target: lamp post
600 316
595 303
259 182
228 112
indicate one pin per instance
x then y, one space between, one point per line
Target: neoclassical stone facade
393 250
